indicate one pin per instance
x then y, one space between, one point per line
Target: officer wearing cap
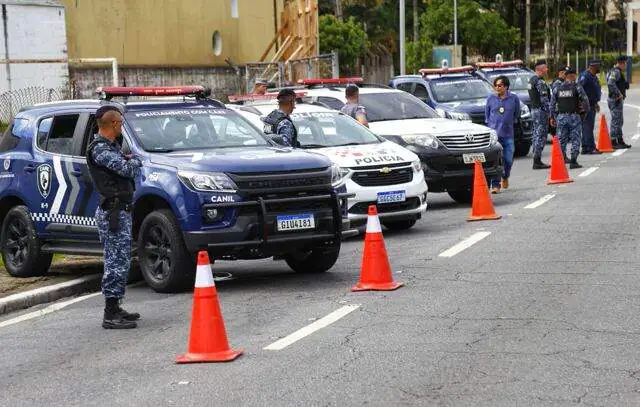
554 84
279 121
569 104
540 104
352 108
618 86
113 174
260 87
591 85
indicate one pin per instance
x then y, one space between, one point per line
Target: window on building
234 9
217 43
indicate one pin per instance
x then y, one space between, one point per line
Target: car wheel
21 248
316 260
463 196
165 263
522 150
403 224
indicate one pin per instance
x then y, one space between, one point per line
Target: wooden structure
298 34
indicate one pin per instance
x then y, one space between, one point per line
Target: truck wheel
522 150
21 247
165 263
463 196
317 260
403 224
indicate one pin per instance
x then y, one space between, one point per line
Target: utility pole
402 37
455 31
415 21
339 10
527 44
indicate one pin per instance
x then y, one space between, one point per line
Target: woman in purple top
502 113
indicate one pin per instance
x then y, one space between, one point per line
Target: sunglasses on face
498 85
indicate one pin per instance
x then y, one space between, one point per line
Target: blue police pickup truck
210 181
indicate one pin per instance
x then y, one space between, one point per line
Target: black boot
622 144
538 164
113 319
129 316
574 163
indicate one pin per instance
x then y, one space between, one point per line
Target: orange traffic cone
604 140
208 339
558 173
376 272
482 207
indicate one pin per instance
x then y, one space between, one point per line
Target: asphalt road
543 311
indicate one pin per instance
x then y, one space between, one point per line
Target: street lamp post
402 57
455 31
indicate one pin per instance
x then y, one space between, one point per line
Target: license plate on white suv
473 157
295 222
392 196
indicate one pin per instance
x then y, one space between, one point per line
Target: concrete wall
27 32
169 32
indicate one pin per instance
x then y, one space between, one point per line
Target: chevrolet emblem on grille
385 170
470 138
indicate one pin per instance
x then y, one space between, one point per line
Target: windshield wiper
161 150
349 144
314 146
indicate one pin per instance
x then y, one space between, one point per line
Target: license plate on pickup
473 157
391 196
295 222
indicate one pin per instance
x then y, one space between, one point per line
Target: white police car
376 170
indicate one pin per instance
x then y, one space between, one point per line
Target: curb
49 293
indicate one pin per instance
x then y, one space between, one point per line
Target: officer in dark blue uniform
540 104
618 86
591 85
554 84
113 175
279 120
569 104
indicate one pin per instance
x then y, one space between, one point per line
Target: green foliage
419 54
3 127
347 37
578 30
483 31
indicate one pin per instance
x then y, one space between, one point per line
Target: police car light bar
111 91
503 64
444 71
332 81
267 96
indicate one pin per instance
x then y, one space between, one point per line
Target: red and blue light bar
107 92
249 97
444 71
329 81
499 64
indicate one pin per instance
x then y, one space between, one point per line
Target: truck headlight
417 166
422 140
524 111
339 175
207 182
493 137
460 116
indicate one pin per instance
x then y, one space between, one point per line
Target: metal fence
11 102
287 73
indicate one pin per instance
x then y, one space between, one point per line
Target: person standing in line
502 112
591 85
352 108
618 86
113 174
540 100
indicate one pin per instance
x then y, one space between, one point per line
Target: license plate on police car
295 222
473 157
391 196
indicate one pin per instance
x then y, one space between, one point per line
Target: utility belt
113 206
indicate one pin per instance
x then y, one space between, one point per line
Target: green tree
419 54
348 38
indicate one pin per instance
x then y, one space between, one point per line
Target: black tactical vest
294 141
622 84
108 183
568 99
534 94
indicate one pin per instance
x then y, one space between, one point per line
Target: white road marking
618 153
313 327
465 244
633 106
47 310
539 202
637 136
588 171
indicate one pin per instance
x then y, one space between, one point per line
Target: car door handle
76 173
29 168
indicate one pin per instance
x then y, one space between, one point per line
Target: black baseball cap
104 109
622 58
540 62
562 68
595 62
569 71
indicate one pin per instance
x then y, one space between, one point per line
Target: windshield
330 129
519 79
447 90
188 129
395 106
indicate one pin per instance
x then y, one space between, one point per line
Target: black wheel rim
16 244
158 253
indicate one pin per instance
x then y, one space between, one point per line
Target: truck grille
383 176
465 141
283 181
